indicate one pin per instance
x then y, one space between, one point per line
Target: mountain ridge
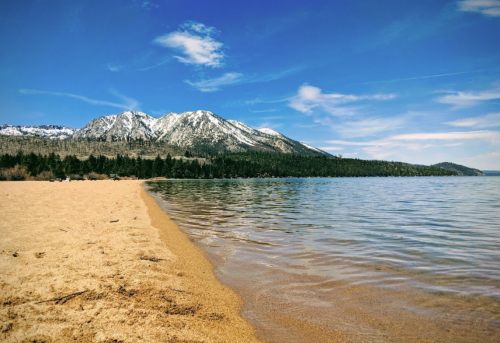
48 131
197 130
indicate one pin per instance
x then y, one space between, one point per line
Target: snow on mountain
241 126
126 125
199 130
48 131
269 131
195 129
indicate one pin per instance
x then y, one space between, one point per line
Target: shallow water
352 259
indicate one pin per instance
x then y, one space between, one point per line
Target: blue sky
412 81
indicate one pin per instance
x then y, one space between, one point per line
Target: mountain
47 131
460 169
198 130
127 125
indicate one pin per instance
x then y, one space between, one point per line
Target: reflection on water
348 259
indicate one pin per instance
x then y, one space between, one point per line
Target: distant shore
101 262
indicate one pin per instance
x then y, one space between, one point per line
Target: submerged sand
100 262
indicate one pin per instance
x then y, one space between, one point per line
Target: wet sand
100 262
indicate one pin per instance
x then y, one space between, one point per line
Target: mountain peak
134 113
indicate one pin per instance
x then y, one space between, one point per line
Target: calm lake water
351 259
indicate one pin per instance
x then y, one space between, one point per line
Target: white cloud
130 103
486 121
195 41
309 98
198 27
469 99
212 85
489 8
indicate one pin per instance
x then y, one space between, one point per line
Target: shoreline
101 262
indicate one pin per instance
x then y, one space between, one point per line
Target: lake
351 259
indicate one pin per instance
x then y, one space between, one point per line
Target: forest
33 166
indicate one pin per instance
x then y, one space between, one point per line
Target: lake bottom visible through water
351 259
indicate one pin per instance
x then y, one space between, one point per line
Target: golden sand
100 262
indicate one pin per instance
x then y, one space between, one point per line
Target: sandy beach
100 262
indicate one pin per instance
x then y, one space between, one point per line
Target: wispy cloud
487 135
422 77
447 136
114 67
490 8
468 99
268 111
142 61
273 76
370 126
415 25
147 5
194 40
270 125
399 146
129 103
310 98
212 85
486 121
381 149
154 65
490 160
331 148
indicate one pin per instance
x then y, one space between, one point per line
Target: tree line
84 148
210 166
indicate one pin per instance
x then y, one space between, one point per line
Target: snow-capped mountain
47 131
195 130
198 130
127 125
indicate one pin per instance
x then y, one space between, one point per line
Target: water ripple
436 235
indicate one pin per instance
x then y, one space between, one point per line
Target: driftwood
65 298
114 221
152 259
